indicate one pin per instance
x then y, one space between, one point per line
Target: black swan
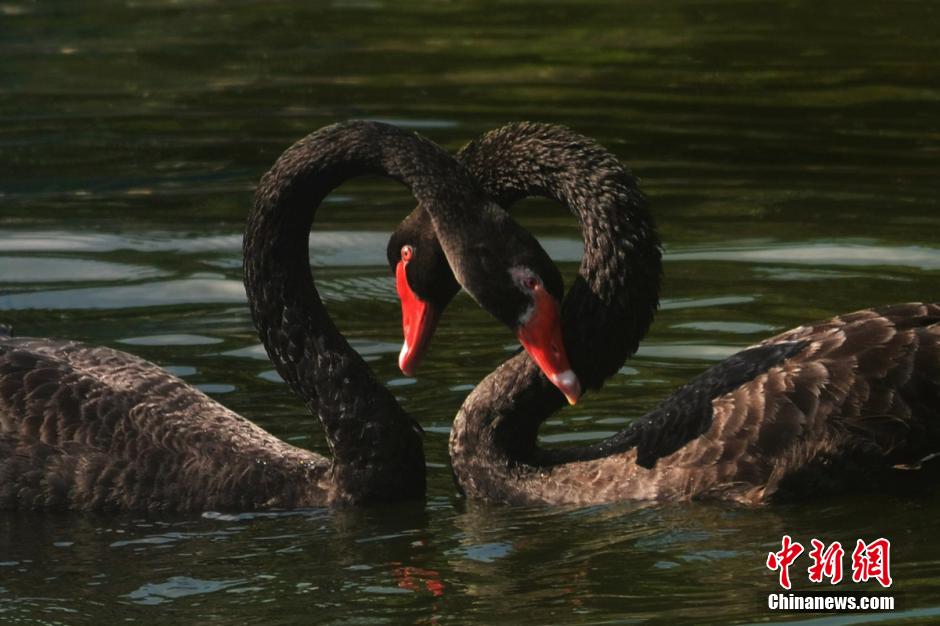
91 428
851 402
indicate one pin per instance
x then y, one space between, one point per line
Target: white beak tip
404 365
568 383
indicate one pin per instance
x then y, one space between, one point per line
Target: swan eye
406 253
530 282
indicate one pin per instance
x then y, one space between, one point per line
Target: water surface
790 152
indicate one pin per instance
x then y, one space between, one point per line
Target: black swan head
505 270
618 282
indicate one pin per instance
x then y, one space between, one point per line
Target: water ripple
34 269
178 587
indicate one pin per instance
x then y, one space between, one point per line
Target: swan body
852 402
90 428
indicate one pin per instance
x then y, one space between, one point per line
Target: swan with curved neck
91 428
830 406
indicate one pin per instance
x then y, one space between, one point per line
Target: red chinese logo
872 560
783 559
869 561
826 563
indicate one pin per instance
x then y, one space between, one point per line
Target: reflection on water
163 293
33 269
823 254
789 151
419 561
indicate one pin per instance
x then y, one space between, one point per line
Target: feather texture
852 402
91 428
96 429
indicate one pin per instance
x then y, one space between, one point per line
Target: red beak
418 321
541 337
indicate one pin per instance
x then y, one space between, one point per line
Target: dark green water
791 152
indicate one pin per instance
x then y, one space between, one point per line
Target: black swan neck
612 301
376 446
